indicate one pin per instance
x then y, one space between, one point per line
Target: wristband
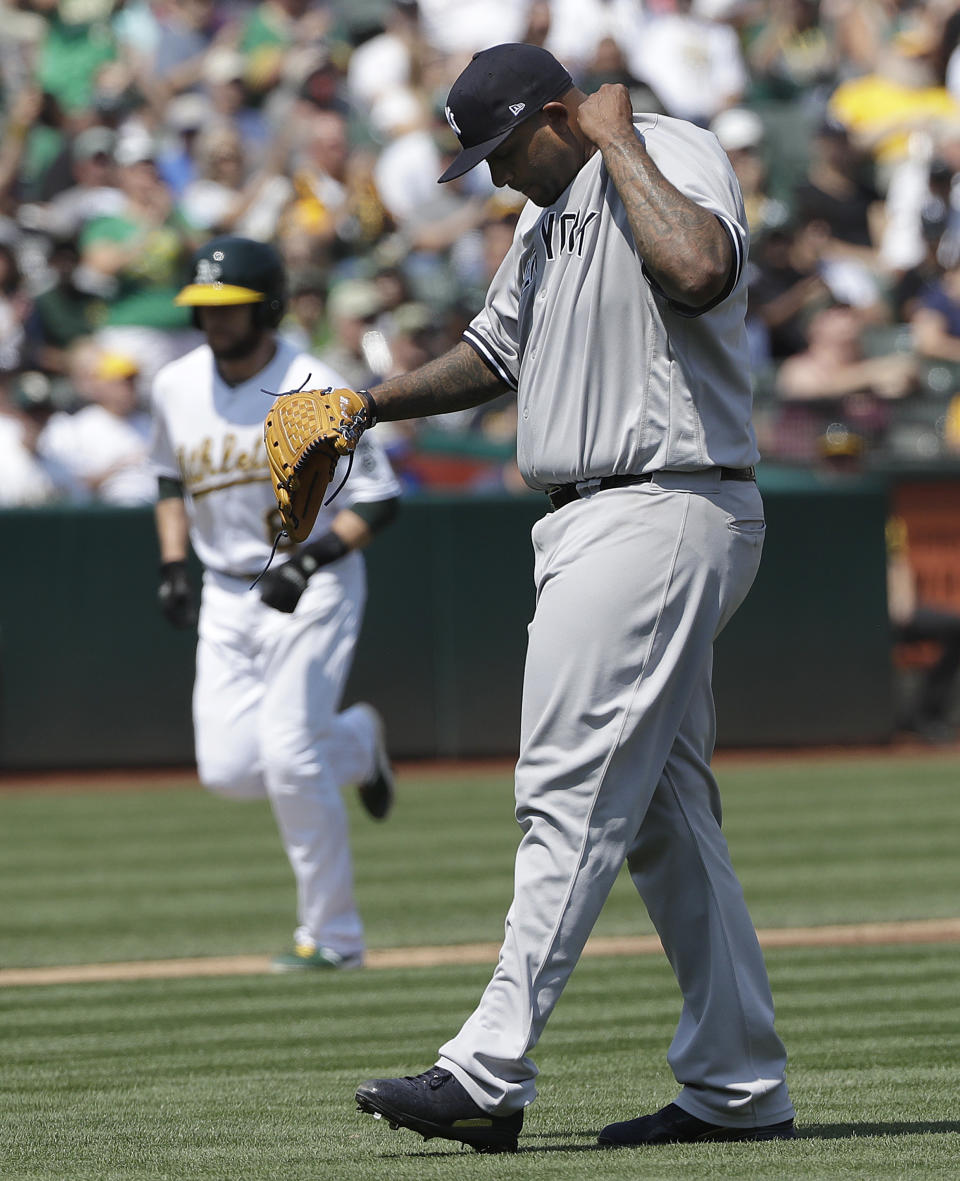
322 552
371 407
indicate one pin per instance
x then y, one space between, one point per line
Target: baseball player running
618 317
272 659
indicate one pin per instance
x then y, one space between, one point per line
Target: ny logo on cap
516 108
451 120
208 271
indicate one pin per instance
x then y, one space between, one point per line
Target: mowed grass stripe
253 1078
148 874
97 877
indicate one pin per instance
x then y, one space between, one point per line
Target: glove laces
283 533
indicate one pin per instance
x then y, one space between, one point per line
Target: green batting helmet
229 271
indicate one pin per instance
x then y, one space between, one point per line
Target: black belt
565 493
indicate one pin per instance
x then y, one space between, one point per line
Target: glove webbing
283 532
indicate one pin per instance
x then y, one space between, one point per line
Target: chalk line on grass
839 935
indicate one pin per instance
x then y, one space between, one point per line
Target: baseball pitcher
618 318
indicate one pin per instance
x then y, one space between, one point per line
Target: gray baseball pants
617 732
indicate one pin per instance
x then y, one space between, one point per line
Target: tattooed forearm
684 246
455 381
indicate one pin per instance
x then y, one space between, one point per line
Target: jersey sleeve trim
736 269
482 348
376 513
169 488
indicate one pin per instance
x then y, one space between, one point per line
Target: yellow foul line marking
840 935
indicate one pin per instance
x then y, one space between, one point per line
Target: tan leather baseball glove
306 432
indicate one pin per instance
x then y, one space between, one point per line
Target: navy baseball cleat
673 1125
435 1104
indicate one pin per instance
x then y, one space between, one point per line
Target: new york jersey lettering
565 234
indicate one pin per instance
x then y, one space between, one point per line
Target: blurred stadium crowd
132 131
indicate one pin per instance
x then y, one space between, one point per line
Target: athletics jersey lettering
565 232
209 436
202 471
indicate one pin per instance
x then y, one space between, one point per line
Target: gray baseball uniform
633 585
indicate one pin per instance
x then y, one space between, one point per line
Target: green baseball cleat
305 958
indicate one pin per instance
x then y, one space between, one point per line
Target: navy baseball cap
500 88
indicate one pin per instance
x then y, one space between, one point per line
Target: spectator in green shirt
138 259
141 252
273 27
71 55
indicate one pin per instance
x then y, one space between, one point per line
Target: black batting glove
282 587
176 596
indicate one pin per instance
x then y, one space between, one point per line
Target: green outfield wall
92 676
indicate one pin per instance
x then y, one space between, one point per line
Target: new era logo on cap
497 91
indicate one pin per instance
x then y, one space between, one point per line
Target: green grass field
252 1077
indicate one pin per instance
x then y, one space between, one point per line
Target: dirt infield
143 778
851 935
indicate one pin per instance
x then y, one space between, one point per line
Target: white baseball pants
266 723
617 731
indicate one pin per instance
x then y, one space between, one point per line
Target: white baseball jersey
209 436
609 384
